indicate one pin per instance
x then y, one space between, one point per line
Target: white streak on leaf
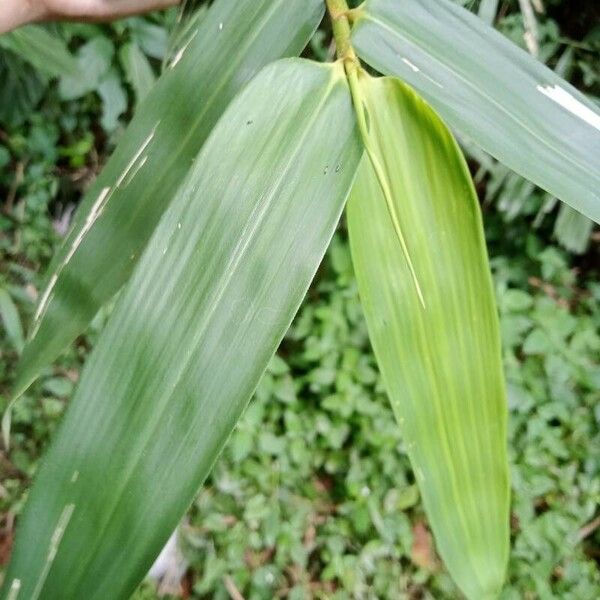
15 588
91 218
60 529
57 535
416 69
46 297
570 103
181 51
433 81
75 476
137 155
133 173
411 65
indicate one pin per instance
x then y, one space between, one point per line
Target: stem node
339 13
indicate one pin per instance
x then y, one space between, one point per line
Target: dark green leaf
122 208
514 107
21 88
197 324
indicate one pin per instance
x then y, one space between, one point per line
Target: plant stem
338 11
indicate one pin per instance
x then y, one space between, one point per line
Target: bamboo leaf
190 336
187 21
506 101
234 40
440 358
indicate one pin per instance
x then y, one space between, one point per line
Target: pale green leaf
114 99
187 21
137 69
94 59
440 354
487 11
119 213
506 101
573 230
190 336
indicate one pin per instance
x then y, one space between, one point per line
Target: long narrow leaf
437 345
122 208
191 335
510 104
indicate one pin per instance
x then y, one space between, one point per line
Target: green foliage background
314 496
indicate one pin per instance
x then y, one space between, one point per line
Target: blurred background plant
314 496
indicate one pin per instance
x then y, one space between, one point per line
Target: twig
539 6
16 182
234 593
531 29
588 529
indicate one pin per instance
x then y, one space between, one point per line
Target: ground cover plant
412 279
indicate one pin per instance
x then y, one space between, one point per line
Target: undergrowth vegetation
314 496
